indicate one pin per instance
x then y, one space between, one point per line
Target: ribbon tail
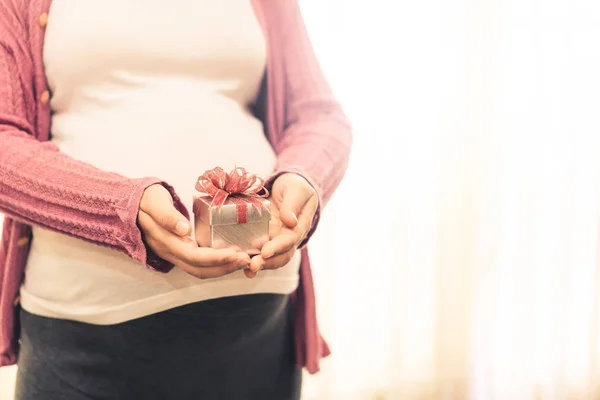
219 199
256 202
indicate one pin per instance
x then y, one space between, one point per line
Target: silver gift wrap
219 228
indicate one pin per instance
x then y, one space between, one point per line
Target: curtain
459 258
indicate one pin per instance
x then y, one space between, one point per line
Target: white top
171 82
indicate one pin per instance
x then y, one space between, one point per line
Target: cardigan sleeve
317 134
41 186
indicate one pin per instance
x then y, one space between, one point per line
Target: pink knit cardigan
41 186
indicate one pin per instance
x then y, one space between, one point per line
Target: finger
250 274
257 245
152 230
278 261
186 250
146 222
281 243
210 272
256 264
205 256
292 204
275 227
148 228
159 205
305 219
154 235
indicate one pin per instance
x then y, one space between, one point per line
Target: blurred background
459 259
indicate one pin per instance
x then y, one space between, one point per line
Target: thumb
291 206
158 203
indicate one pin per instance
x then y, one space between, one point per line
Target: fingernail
182 227
243 261
243 257
260 266
253 268
295 216
244 266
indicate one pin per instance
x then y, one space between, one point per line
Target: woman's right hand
166 231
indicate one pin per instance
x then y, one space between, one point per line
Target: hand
166 231
294 203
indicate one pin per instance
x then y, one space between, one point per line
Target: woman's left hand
294 203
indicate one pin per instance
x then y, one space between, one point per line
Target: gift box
231 211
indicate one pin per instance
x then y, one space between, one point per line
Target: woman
116 300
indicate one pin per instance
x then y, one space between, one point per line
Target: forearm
41 186
319 151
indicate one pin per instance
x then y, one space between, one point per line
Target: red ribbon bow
241 187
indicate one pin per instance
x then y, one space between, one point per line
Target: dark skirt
231 348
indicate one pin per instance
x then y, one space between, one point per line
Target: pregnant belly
175 143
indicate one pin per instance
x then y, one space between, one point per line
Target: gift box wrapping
236 224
